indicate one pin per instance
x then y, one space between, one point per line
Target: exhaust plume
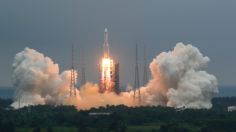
178 80
37 80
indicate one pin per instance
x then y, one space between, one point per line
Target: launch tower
136 79
72 76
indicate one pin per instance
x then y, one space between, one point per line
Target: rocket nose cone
105 30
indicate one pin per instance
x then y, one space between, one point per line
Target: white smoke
37 80
177 81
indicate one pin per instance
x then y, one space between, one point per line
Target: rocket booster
106 44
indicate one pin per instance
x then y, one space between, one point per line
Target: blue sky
51 27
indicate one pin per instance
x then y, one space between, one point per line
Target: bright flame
106 73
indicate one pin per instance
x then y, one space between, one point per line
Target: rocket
108 69
106 44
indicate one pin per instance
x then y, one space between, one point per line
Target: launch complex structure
108 70
109 80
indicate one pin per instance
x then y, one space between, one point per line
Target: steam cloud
37 80
178 80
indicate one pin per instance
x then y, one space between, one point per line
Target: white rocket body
106 44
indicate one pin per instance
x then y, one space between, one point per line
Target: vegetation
44 118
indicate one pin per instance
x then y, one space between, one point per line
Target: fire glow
107 65
107 73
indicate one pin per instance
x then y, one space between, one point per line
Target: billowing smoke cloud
37 80
178 80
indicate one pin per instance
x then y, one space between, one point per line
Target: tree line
168 119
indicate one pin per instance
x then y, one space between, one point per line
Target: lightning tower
72 77
83 78
19 103
145 72
136 80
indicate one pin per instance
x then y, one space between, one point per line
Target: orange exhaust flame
107 73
